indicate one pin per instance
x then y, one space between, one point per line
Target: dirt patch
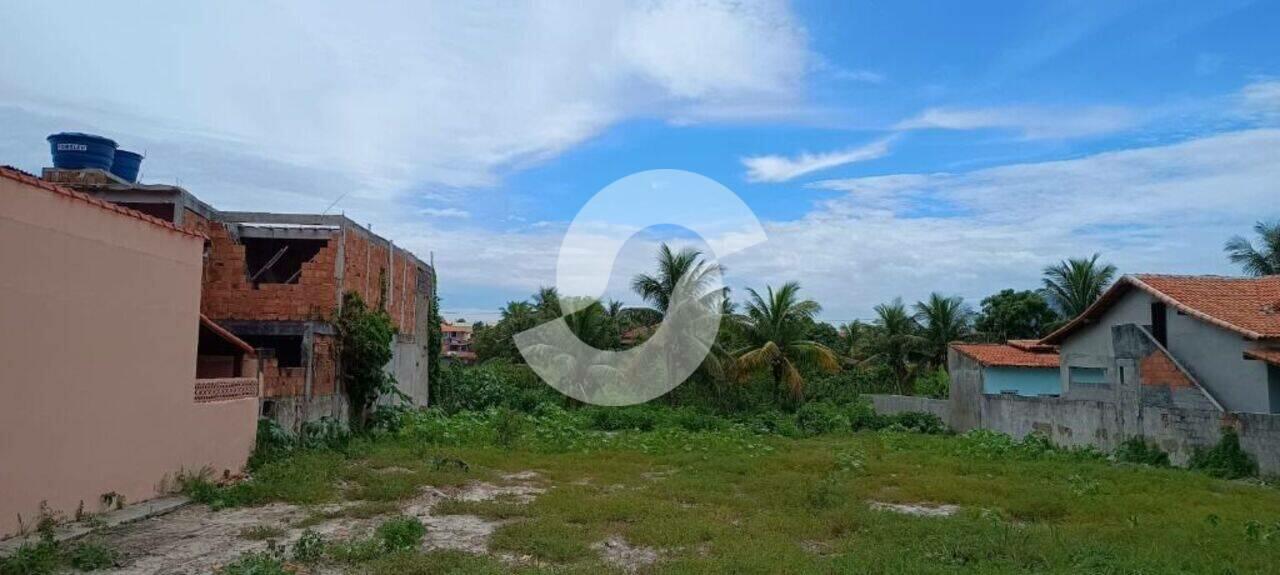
617 552
197 540
393 470
193 539
916 509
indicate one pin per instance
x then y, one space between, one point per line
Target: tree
435 343
895 341
672 266
942 320
774 328
1015 315
1264 261
546 304
364 349
1073 285
853 336
496 341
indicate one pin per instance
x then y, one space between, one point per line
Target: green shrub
633 417
309 547
816 418
1136 450
508 426
918 422
987 444
91 557
32 559
935 384
198 487
323 433
357 551
401 533
1226 460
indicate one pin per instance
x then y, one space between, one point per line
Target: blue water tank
76 151
126 164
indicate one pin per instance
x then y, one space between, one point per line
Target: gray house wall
1091 346
1215 356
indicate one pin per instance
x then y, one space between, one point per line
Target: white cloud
774 168
866 76
1029 122
1262 98
1158 209
445 213
450 94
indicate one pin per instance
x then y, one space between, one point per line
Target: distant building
456 342
275 280
1169 359
1019 367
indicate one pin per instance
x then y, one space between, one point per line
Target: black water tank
76 151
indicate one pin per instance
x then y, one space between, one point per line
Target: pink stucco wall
98 331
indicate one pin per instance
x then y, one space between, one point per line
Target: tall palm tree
942 321
672 266
773 328
895 341
546 303
1073 285
1257 262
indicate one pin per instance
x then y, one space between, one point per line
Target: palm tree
1257 262
895 340
546 303
773 328
853 336
672 266
1074 284
943 320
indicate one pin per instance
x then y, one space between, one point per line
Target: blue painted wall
1023 380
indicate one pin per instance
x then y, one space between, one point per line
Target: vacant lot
670 501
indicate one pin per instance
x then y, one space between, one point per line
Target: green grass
718 502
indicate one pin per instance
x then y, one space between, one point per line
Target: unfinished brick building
276 280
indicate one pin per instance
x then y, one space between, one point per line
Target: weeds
1226 460
309 548
262 532
1136 450
256 563
401 533
91 557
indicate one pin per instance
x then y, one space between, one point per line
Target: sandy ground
197 540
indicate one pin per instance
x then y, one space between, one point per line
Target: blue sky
891 149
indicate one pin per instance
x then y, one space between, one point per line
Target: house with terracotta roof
1019 367
1169 359
1222 334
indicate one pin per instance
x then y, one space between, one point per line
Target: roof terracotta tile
1248 306
1269 355
1005 355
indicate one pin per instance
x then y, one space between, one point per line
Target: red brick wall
366 264
227 293
1158 369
